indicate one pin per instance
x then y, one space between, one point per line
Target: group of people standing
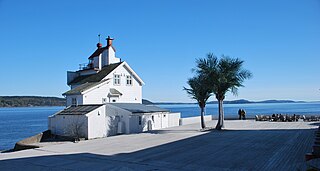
242 114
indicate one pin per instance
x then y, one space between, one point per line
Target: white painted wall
131 93
71 76
196 119
64 125
134 123
109 57
96 61
115 115
174 119
160 120
92 124
96 94
96 123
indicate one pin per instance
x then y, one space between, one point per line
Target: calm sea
19 123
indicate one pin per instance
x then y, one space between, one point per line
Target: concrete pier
244 145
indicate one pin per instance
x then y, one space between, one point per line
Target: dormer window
74 102
116 79
129 80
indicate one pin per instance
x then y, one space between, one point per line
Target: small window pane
129 80
116 79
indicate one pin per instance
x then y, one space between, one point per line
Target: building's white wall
109 57
104 57
96 62
71 76
160 120
196 119
64 125
173 119
78 97
157 121
131 93
114 115
97 94
153 121
135 127
96 123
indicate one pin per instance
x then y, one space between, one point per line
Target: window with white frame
74 102
129 80
116 79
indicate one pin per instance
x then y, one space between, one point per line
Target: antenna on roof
99 35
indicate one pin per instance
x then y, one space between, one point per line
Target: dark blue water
19 123
231 110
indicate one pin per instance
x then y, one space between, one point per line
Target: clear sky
279 40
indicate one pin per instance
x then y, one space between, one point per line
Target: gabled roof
138 108
83 87
95 77
132 72
100 50
78 110
97 52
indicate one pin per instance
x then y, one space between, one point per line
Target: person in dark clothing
243 112
239 113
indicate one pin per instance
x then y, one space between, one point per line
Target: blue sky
278 40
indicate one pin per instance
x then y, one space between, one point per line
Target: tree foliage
25 101
224 75
200 91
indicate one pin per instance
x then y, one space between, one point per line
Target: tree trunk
203 124
220 124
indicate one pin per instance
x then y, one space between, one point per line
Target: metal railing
85 66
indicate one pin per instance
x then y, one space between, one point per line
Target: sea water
22 122
252 109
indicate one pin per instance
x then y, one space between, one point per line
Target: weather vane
99 35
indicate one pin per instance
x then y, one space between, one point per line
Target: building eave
133 73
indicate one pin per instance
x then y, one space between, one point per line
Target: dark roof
79 89
114 91
100 50
97 52
78 110
139 108
95 77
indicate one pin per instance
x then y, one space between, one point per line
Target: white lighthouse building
106 99
106 79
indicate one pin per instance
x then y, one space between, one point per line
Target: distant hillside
240 101
278 101
146 102
26 101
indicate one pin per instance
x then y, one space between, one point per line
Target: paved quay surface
244 145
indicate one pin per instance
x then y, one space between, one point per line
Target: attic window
116 79
129 80
74 102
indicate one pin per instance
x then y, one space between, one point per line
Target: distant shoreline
28 107
41 101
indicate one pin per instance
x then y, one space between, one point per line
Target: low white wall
174 119
192 120
69 125
96 123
